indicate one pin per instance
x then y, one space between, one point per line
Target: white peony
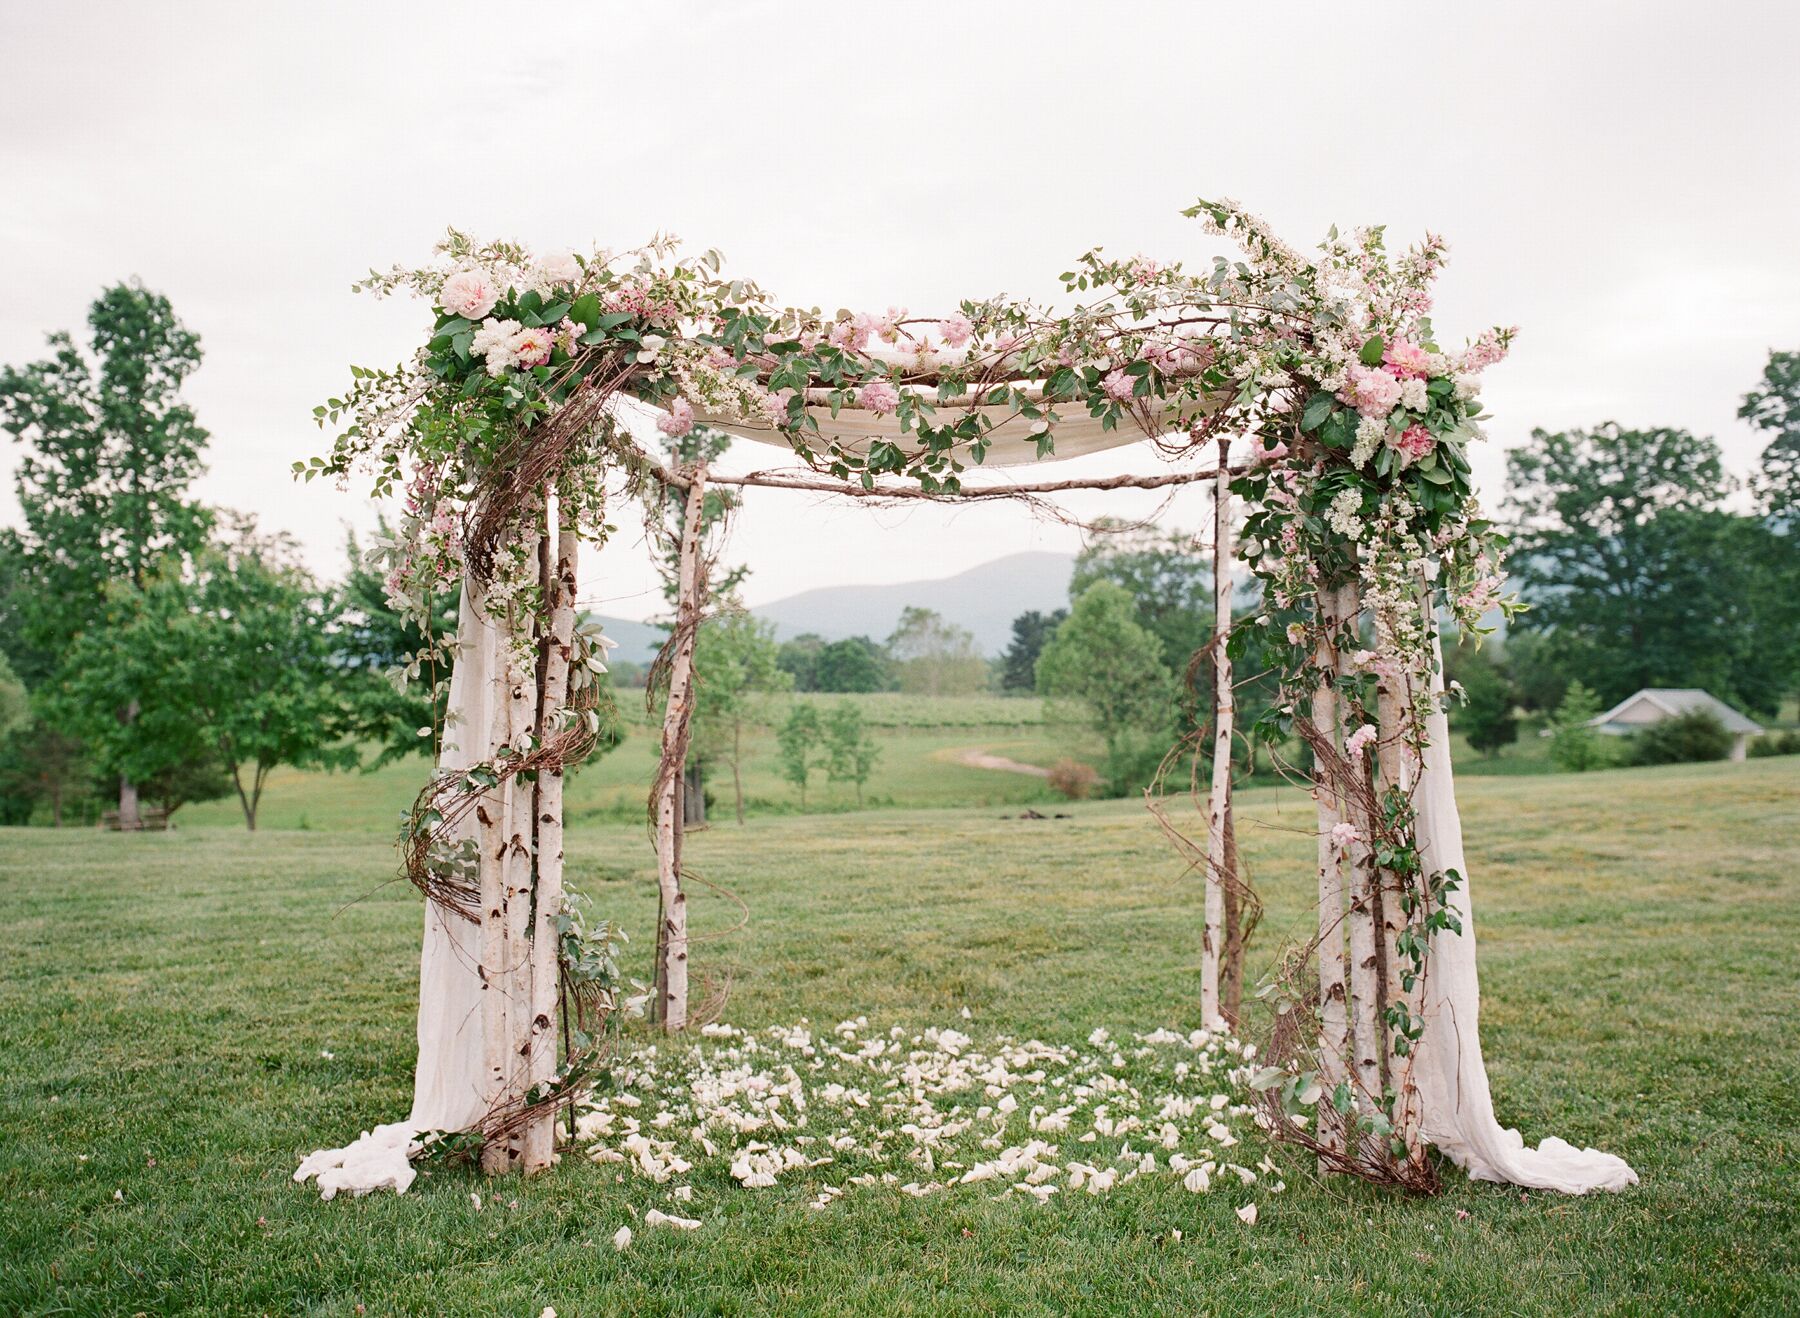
470 294
553 269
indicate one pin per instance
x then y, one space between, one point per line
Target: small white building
1654 704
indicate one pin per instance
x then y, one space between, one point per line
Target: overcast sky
1620 179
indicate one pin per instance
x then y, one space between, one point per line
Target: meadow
920 738
184 1015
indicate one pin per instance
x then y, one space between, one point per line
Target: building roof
1653 704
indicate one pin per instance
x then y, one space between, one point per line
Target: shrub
1073 779
1688 738
1776 743
1576 747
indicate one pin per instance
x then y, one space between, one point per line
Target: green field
919 738
167 1002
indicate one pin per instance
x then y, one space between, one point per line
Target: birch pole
672 939
490 817
1365 987
546 967
1334 1021
1220 813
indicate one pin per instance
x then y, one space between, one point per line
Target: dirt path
976 758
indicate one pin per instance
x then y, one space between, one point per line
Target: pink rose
955 330
1344 835
679 419
1118 385
469 294
850 335
1275 454
879 397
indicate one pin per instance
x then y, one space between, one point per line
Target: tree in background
798 657
236 665
1168 575
797 745
1111 667
1635 575
1018 666
932 657
850 750
735 673
376 638
1486 716
110 451
1574 746
854 664
1774 406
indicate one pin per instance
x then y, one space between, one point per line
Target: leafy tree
1018 666
1774 406
1168 576
377 639
110 451
1634 574
1575 746
236 666
799 659
850 750
1486 715
1111 666
935 658
735 669
853 664
797 745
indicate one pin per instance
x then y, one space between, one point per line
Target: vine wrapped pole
521 724
1219 816
1365 985
496 1011
672 937
1334 1021
560 587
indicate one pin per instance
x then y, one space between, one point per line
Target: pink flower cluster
1372 391
1344 835
879 397
955 330
1359 739
635 300
678 420
1484 352
1118 385
1142 270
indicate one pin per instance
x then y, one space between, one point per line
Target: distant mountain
985 599
638 641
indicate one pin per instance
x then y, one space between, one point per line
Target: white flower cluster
925 1113
1344 514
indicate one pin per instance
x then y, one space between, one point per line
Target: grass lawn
167 1002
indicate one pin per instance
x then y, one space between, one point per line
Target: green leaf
585 311
1373 351
1318 407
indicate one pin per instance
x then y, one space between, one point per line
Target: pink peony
679 419
1359 739
1373 392
1408 360
955 330
1415 441
470 294
531 347
1118 385
878 396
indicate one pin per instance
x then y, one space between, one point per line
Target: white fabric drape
446 1082
1453 1082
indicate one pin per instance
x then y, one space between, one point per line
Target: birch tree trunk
1219 814
672 938
1365 986
540 1135
1334 1021
496 1012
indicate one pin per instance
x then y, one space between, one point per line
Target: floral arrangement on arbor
1359 489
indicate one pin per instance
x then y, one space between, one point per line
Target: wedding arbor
510 431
